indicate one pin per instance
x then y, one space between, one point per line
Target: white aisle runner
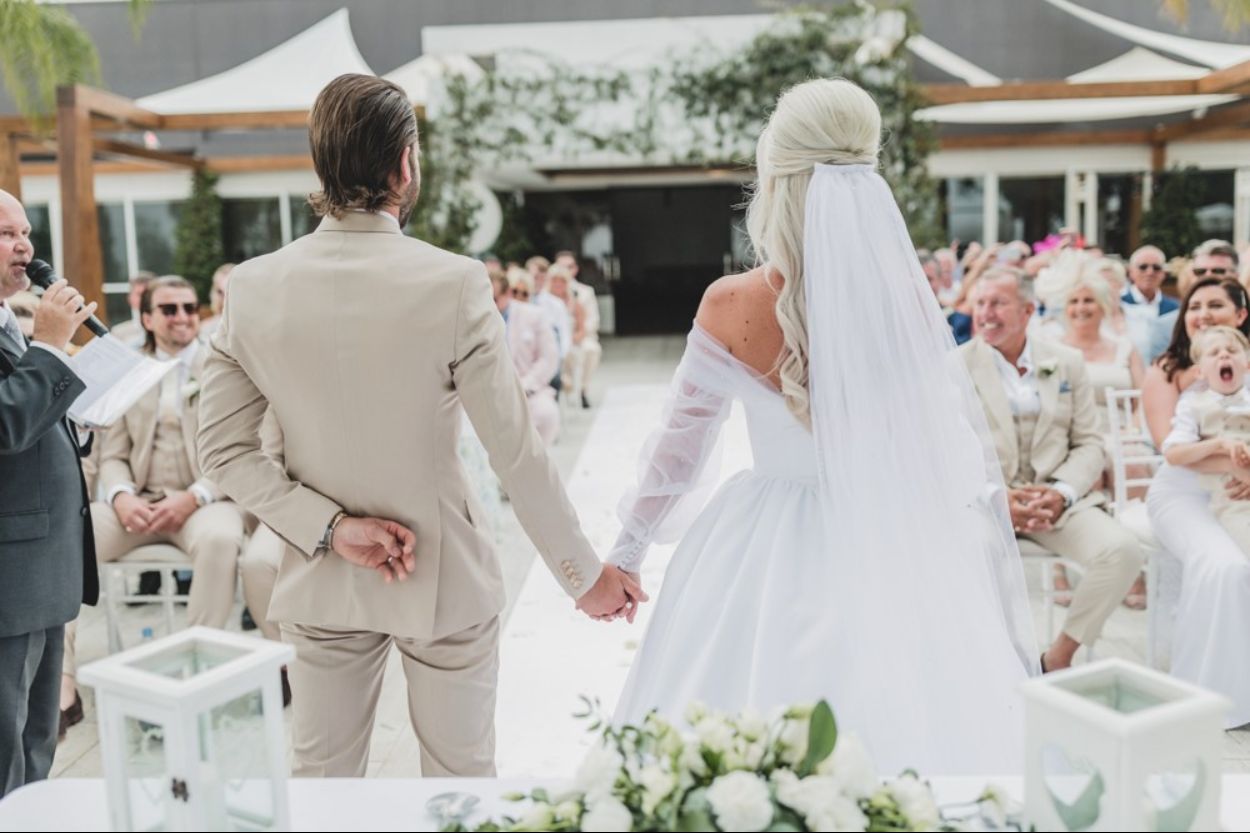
550 653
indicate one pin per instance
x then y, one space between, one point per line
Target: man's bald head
15 246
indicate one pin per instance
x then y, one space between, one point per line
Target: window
1215 213
1030 209
250 227
303 221
40 217
963 202
156 229
112 219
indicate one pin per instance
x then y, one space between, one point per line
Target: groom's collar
376 222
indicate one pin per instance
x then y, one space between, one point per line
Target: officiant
47 551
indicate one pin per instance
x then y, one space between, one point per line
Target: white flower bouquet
791 773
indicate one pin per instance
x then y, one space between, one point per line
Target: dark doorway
654 250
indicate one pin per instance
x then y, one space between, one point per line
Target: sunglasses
520 293
170 310
1213 271
1150 267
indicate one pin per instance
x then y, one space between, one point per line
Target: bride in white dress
867 558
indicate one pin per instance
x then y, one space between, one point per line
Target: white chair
1132 446
165 559
1034 554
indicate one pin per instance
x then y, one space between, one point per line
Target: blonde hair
519 277
1102 265
826 121
1205 337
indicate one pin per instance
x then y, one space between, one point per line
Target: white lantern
1117 746
191 732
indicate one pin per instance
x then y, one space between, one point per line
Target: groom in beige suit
365 343
1041 411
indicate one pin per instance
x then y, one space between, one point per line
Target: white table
399 803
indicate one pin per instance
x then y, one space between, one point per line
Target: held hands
1237 487
377 543
134 512
1034 508
58 316
171 512
616 593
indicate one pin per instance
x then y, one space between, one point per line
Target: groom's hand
614 594
378 544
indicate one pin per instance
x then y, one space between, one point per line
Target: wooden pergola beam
984 141
83 262
1234 115
1225 80
110 106
272 120
937 94
182 160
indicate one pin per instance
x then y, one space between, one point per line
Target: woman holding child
1211 646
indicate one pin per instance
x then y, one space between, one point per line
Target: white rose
692 760
916 801
598 771
837 812
715 733
695 712
740 801
538 817
751 724
656 785
607 814
853 766
568 811
787 785
793 741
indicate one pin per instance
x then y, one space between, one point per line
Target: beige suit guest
1041 412
583 358
365 343
536 356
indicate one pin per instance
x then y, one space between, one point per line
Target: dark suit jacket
47 551
1166 304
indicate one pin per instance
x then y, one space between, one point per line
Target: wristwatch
327 537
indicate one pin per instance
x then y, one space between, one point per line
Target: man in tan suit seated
532 343
154 489
366 343
1040 408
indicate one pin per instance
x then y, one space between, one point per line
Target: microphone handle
95 325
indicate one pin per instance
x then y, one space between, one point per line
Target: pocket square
1065 386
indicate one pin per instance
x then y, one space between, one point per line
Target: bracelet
334 522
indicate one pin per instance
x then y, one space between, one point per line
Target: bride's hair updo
829 122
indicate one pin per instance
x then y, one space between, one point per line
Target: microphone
41 275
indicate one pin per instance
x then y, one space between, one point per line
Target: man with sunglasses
150 473
1143 301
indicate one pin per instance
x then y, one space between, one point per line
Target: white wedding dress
849 564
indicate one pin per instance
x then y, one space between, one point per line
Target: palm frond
1236 12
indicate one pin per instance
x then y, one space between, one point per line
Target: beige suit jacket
1066 443
126 456
365 343
533 344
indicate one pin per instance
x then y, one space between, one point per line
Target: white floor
550 654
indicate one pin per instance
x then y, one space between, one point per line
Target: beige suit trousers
212 537
336 680
1112 558
258 566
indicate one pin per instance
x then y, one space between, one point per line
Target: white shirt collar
385 214
1025 362
1141 299
185 357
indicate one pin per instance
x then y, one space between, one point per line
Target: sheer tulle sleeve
678 466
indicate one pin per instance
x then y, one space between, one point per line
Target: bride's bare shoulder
739 311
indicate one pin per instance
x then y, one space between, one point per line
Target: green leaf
779 826
822 735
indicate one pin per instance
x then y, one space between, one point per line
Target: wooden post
83 264
1158 156
10 164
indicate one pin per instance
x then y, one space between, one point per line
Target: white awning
287 77
1208 53
421 78
1138 64
1068 109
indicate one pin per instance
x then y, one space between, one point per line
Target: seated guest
1211 259
130 331
217 302
150 472
532 343
960 324
1040 409
1215 423
1144 301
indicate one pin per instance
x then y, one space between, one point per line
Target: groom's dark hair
357 130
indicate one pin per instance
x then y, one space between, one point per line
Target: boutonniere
1047 368
1064 387
190 389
